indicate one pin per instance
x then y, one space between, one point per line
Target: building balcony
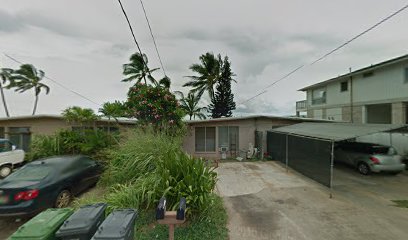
301 106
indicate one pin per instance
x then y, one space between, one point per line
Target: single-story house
20 129
232 135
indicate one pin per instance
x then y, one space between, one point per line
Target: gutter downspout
351 99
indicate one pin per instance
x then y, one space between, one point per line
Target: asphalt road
9 226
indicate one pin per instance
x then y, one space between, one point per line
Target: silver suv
369 157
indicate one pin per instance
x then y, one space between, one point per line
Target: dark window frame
406 75
344 86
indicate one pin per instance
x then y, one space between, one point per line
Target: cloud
9 23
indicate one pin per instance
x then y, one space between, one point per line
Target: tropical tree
223 102
154 105
165 82
190 105
208 74
27 77
138 70
81 116
4 78
113 110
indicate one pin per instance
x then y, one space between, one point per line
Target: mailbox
181 211
161 209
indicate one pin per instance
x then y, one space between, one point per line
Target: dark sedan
45 183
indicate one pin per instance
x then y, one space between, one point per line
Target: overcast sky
83 44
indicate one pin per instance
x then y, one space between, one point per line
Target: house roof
55 116
359 71
224 119
335 131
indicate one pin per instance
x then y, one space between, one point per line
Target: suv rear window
30 173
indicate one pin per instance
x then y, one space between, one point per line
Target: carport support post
331 169
287 152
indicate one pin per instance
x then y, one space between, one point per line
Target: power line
332 51
133 35
56 82
154 40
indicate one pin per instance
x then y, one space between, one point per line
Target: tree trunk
35 104
3 98
190 116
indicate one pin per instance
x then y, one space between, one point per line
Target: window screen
205 139
200 139
228 137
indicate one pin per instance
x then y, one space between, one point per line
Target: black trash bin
119 225
83 224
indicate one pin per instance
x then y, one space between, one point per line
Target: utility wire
154 40
56 82
133 35
331 52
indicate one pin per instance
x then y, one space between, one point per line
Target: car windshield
30 173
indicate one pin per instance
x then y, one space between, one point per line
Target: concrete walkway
265 202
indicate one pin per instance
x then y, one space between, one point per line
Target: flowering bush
154 105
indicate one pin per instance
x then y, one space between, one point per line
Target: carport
309 147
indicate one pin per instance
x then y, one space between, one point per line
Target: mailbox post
171 218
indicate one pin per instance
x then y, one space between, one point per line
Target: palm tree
208 74
190 105
165 82
112 110
137 69
4 75
80 116
26 78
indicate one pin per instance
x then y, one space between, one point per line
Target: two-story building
374 94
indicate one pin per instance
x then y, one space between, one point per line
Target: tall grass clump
149 165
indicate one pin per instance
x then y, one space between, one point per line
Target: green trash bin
43 226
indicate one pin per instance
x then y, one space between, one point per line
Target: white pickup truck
10 157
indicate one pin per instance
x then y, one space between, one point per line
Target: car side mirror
13 147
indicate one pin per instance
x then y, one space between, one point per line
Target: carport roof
335 131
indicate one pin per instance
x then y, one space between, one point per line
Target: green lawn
211 226
401 203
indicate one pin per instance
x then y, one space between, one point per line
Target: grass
401 203
211 226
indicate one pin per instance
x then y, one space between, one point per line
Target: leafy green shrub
148 166
87 142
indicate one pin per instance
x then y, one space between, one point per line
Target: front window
319 96
228 138
21 137
205 139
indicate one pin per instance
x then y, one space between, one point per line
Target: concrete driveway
265 202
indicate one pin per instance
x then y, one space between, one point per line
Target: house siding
386 85
247 130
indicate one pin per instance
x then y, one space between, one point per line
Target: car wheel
5 171
63 199
363 168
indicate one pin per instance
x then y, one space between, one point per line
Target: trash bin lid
116 225
81 221
43 225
